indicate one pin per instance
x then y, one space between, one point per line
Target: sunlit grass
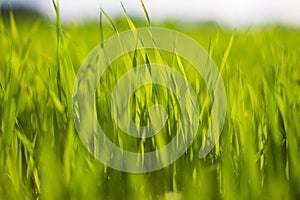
42 157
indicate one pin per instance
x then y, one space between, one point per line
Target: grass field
42 157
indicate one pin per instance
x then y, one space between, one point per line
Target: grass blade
110 21
129 21
145 12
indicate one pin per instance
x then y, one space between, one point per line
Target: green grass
41 156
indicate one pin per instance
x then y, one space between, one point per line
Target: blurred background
230 12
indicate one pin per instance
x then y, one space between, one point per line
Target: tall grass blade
129 21
110 21
146 12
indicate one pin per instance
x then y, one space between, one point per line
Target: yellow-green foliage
41 156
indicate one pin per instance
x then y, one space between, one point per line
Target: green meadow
42 157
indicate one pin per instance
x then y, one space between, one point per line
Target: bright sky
234 12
